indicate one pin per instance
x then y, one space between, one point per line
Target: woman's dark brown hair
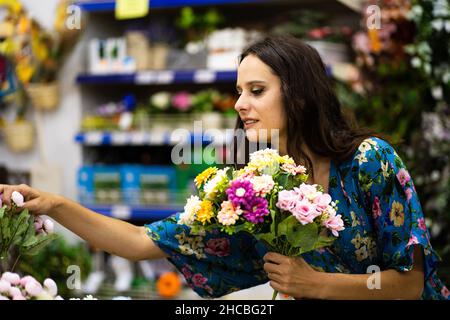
314 114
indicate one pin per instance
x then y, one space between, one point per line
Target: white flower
193 205
89 297
48 226
121 298
17 198
211 185
262 184
160 100
437 24
51 287
385 169
437 92
416 62
364 147
361 158
440 8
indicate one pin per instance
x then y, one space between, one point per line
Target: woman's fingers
7 190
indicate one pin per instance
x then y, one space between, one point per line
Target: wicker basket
44 96
19 136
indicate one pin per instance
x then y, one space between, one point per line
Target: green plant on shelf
198 25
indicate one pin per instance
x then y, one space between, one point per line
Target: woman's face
260 103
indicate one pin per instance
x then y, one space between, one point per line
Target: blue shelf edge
150 213
110 5
160 77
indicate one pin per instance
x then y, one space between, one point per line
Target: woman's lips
250 123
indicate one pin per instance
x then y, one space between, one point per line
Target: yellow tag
131 9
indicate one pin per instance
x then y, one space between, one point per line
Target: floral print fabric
383 222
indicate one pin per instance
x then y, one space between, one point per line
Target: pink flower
218 247
376 208
33 288
408 193
422 224
199 280
361 42
445 292
403 177
4 286
293 169
187 271
308 191
14 291
323 201
305 212
182 101
334 223
412 240
12 278
287 200
26 279
316 33
19 297
38 223
18 199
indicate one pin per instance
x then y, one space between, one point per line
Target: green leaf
268 238
324 242
298 235
42 241
2 211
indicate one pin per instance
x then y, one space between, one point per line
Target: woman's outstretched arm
111 235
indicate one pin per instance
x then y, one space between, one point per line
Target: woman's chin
255 135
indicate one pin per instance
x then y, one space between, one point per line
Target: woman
283 86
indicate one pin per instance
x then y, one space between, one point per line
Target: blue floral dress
383 221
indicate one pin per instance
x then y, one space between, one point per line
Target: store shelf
160 77
124 212
109 5
142 138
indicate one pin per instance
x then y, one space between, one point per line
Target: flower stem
275 293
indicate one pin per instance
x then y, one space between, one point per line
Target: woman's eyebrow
253 82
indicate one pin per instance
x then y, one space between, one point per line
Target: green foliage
53 262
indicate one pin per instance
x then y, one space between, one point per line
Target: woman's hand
292 276
36 201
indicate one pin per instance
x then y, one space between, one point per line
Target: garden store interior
91 93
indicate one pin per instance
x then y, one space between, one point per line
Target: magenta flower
403 177
256 210
240 193
376 208
218 247
422 224
199 280
182 101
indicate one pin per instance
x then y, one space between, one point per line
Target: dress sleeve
213 263
393 203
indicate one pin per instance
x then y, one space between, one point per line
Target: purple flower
256 210
240 193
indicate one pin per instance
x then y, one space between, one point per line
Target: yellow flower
205 175
397 214
286 159
206 212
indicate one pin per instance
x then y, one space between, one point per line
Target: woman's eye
257 91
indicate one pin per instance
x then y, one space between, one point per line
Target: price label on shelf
157 138
146 77
119 138
165 77
131 9
139 138
93 138
204 76
121 212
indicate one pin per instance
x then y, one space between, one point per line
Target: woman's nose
241 104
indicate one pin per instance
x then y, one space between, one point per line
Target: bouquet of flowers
24 232
269 199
